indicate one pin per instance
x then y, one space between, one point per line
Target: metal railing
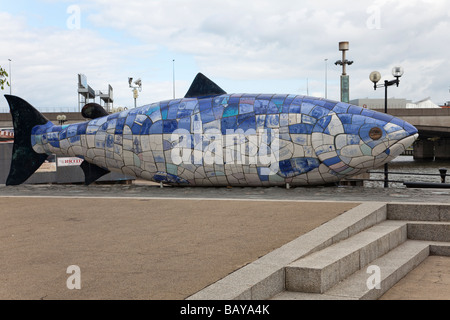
442 174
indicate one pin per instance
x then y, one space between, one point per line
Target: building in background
394 103
379 103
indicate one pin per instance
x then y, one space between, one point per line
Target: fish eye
375 133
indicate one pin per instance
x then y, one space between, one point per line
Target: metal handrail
411 173
442 173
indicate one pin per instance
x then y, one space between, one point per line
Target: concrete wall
70 174
423 150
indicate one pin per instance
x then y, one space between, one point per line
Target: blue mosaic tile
119 125
231 110
113 116
63 134
246 107
169 126
136 128
218 111
164 112
207 115
273 121
294 108
301 128
345 118
331 161
261 106
354 110
324 122
74 139
306 108
157 127
184 123
145 128
351 129
319 112
72 130
341 108
248 123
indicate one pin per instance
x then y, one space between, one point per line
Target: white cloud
242 45
289 39
45 62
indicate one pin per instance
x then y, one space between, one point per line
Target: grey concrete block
288 295
431 231
440 249
393 266
418 212
321 270
269 287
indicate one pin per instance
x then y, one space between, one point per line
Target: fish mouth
400 146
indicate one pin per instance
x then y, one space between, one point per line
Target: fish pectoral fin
92 172
93 111
202 86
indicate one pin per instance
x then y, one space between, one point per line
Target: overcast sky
258 46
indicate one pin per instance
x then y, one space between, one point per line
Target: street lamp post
326 84
345 80
137 85
61 119
375 76
173 77
10 83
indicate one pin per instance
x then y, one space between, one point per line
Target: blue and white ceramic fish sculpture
211 138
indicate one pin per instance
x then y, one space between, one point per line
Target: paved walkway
144 242
140 249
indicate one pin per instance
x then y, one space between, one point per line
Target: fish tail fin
25 161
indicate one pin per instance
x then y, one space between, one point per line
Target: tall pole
326 82
173 77
10 81
386 169
343 46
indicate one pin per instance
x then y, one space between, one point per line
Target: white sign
65 162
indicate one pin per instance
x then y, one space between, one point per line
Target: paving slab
140 248
428 281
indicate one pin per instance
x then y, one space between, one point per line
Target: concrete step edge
386 270
418 212
429 231
265 277
321 270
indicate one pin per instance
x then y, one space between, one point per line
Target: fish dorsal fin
202 86
93 111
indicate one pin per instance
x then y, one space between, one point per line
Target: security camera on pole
137 86
345 80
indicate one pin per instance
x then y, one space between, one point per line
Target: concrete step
393 266
427 230
440 248
320 271
418 212
373 281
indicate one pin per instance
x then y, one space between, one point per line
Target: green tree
3 78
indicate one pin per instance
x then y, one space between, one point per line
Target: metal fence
410 184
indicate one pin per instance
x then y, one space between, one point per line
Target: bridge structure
434 131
